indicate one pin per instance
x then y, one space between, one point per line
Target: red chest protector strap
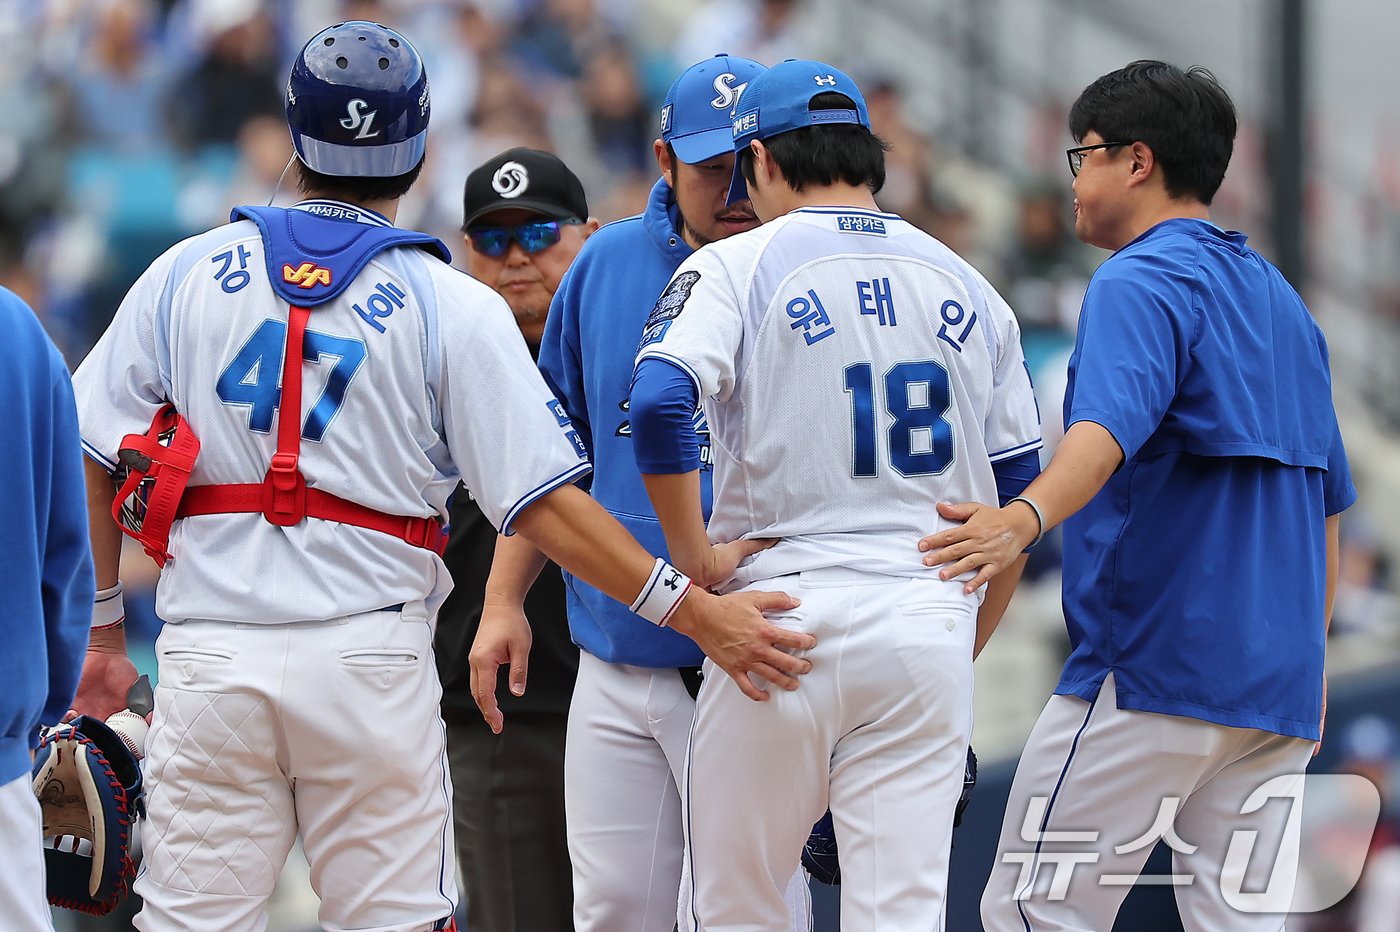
282 497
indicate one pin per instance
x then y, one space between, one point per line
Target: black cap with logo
524 179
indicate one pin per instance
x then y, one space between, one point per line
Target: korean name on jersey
855 372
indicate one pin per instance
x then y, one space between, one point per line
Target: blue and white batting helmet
357 102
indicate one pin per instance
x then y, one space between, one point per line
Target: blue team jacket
1197 574
45 562
590 344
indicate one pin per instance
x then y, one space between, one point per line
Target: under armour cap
695 118
778 100
525 179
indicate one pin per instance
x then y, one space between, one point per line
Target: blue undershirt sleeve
1014 474
664 399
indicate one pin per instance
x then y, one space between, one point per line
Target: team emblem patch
510 180
306 275
672 300
669 306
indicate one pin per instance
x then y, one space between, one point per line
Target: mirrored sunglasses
532 237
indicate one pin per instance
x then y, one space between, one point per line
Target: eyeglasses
1076 155
532 237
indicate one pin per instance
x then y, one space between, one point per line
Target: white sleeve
1013 421
508 436
704 341
125 379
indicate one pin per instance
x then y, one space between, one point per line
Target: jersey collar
844 210
340 210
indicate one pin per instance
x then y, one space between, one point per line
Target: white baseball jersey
854 372
415 377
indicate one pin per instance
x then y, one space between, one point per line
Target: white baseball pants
623 763
22 890
1119 780
877 731
328 730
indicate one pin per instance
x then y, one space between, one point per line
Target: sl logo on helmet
357 118
510 180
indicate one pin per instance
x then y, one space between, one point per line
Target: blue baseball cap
777 101
695 119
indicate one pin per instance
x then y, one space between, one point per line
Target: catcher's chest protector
167 452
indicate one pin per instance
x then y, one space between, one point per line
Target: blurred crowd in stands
137 122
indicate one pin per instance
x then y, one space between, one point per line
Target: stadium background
132 123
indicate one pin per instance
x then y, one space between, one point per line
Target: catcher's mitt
89 786
819 855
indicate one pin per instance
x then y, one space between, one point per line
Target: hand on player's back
503 637
988 541
733 632
723 559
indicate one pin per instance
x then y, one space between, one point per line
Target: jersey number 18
920 441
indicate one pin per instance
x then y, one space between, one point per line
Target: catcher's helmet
357 102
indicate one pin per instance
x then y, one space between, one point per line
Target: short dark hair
1184 116
355 187
823 155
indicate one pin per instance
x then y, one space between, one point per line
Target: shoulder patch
672 300
669 306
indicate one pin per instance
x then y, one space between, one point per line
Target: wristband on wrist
663 592
107 608
1039 517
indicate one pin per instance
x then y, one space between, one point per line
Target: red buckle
426 533
415 532
283 465
284 491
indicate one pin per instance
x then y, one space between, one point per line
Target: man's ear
764 165
1143 162
663 161
590 226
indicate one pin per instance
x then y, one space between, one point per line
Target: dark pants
508 809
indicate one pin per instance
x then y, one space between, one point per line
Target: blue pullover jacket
45 562
590 345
